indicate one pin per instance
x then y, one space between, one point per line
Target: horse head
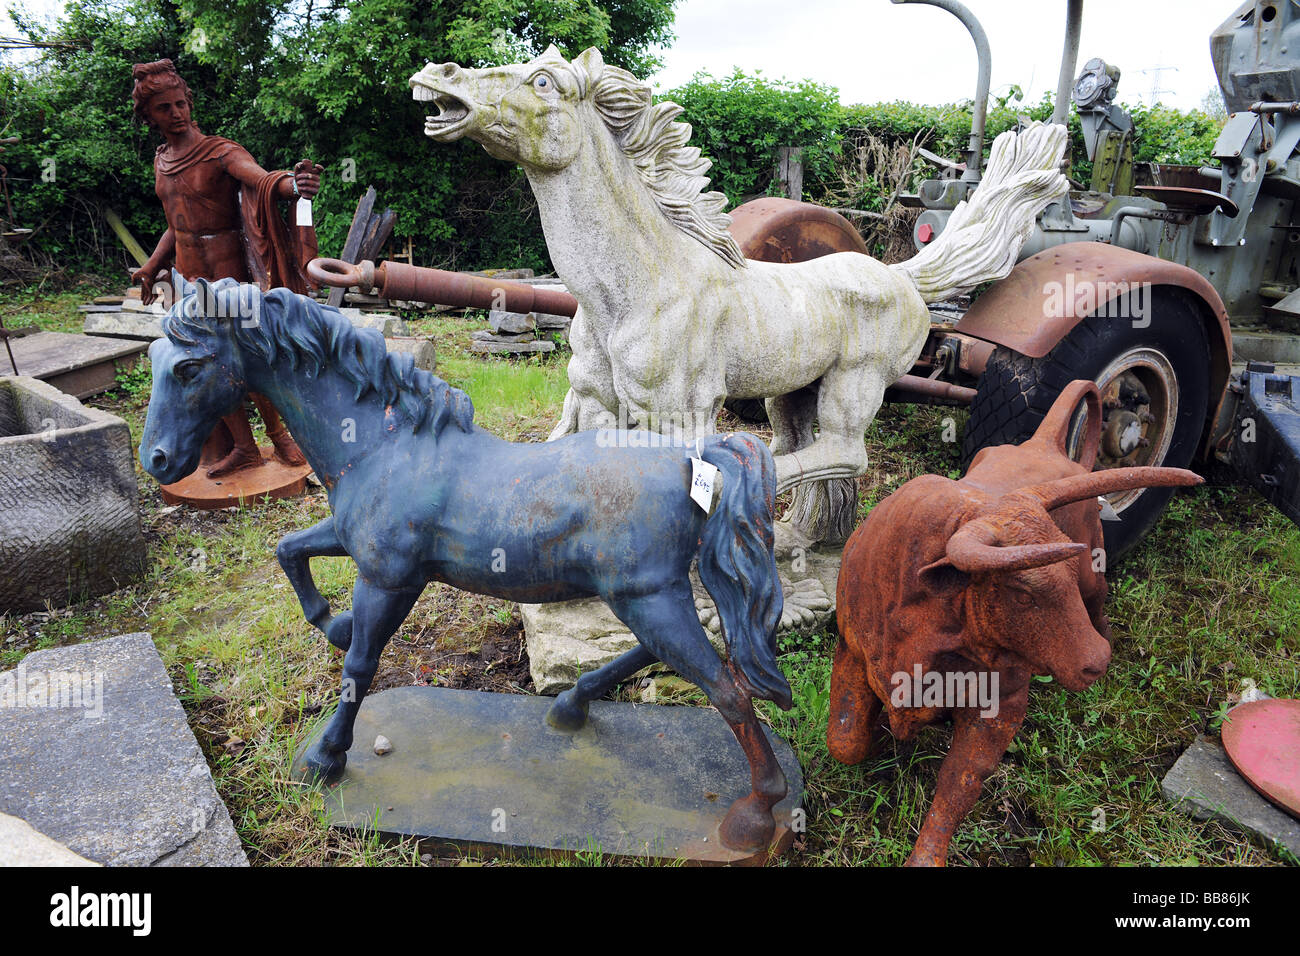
198 373
522 112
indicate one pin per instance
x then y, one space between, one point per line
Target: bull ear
1064 491
943 577
973 548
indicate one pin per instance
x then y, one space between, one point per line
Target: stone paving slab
472 768
114 773
1204 783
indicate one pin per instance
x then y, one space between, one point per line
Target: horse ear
205 302
552 53
592 62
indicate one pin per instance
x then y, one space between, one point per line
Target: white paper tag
702 477
1107 512
304 212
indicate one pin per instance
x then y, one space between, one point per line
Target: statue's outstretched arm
306 174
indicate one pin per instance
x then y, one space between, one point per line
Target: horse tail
737 564
983 236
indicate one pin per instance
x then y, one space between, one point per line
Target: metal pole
975 151
1069 59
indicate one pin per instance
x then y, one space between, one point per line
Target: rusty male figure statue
223 221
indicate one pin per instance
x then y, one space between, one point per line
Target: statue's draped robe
274 252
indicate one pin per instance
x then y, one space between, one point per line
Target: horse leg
792 416
293 552
569 712
666 623
376 615
846 404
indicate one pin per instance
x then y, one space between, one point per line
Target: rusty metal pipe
397 280
934 389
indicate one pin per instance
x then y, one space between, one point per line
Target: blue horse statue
419 493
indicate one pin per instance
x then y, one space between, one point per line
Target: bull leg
376 615
852 731
666 623
978 743
569 712
294 552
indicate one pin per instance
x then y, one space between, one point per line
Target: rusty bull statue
968 589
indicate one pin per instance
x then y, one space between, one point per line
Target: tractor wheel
1154 381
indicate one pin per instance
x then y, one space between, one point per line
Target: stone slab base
470 768
1204 783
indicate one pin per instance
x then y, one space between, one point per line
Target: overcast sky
874 50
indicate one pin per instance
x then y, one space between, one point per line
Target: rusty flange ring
342 275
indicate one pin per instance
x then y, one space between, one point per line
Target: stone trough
69 506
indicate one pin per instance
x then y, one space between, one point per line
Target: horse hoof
564 714
748 826
339 631
322 766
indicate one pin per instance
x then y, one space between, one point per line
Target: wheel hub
1140 398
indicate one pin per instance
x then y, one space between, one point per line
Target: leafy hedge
329 80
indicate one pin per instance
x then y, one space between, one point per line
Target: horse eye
185 371
542 83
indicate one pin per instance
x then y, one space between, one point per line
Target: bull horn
973 548
1054 430
1064 491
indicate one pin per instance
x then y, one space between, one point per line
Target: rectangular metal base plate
478 769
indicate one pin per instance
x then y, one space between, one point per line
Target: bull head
1021 585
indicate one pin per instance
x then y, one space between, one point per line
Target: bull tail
737 564
984 234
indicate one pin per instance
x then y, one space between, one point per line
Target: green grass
53 311
1208 599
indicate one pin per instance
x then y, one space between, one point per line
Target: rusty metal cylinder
397 280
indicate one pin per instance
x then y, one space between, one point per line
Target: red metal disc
1262 739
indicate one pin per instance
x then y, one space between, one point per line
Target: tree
294 78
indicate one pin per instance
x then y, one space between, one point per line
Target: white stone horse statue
672 319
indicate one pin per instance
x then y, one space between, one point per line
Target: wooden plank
81 365
789 171
356 234
118 226
378 230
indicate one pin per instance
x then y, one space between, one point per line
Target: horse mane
672 171
307 333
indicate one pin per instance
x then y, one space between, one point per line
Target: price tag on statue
703 476
304 212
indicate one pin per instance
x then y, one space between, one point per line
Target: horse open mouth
452 116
